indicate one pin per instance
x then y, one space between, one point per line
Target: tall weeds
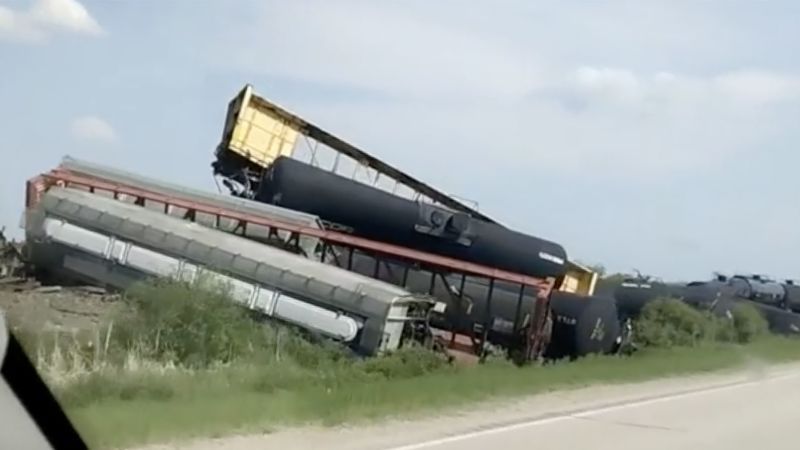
670 322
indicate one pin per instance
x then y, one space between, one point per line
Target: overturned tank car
375 214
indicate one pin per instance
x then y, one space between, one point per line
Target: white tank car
114 243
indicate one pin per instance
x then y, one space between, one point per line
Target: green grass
182 361
247 398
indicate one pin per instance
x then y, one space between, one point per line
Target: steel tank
375 214
703 294
792 295
780 321
633 294
759 289
581 325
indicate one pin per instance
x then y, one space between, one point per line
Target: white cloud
382 48
46 17
667 92
428 52
67 14
17 27
599 123
609 84
515 82
759 86
92 128
451 87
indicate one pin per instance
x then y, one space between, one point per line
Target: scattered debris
47 289
28 285
11 261
95 290
12 280
33 311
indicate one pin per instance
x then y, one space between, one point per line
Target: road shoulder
403 434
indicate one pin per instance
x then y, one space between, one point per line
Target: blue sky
656 135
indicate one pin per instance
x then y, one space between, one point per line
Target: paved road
755 415
753 409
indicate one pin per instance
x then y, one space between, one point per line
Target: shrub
307 351
280 376
406 362
670 322
749 324
172 332
194 325
115 384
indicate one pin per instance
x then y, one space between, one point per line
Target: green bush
297 346
670 322
198 325
271 377
749 323
194 325
406 362
172 326
116 384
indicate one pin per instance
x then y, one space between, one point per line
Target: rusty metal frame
535 332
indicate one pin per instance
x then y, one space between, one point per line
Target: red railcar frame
536 333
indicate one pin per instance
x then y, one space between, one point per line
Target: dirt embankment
38 308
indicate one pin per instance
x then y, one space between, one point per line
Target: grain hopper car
216 212
108 242
505 299
287 240
257 133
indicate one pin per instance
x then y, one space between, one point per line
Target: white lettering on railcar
551 258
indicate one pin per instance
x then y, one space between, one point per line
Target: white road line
589 413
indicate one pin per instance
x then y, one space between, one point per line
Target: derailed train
581 324
778 302
359 193
508 315
109 242
379 215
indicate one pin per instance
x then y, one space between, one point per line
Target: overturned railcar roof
79 232
245 206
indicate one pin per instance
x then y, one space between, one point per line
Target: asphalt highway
755 415
753 409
